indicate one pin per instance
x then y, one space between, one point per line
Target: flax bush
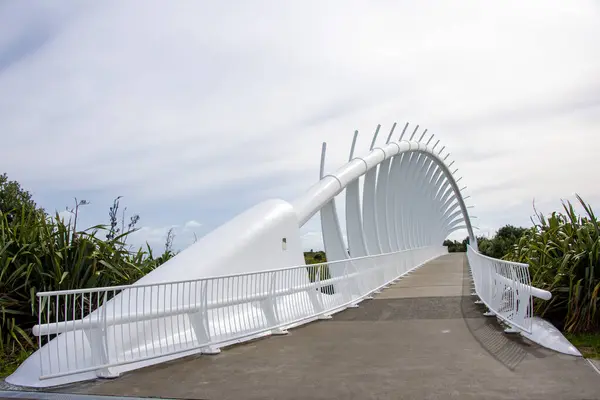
563 253
41 253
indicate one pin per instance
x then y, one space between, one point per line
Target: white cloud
180 100
312 240
65 215
154 236
191 225
183 236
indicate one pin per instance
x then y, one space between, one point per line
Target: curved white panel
370 213
332 235
330 224
357 246
354 224
381 199
392 193
399 198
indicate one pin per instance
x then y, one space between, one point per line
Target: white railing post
200 321
98 340
315 299
351 291
269 307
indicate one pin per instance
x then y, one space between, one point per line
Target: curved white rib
412 212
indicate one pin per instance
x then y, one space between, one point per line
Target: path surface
422 338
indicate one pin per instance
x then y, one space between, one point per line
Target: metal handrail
133 285
108 327
504 287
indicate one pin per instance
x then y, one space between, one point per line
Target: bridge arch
410 199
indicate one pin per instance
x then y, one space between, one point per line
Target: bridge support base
325 316
354 305
210 351
279 332
478 302
511 330
106 373
489 314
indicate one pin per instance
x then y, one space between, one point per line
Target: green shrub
43 253
454 246
502 243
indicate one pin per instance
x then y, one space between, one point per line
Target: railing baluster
39 340
48 320
164 323
56 320
74 305
67 358
151 322
242 283
121 328
182 317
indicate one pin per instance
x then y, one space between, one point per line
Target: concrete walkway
422 338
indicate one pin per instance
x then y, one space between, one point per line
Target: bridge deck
421 338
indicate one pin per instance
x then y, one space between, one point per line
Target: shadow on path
508 349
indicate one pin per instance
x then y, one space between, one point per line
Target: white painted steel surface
99 329
505 289
546 334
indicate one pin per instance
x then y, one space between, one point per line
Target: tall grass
41 253
563 252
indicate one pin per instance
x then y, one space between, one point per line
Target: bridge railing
106 327
505 289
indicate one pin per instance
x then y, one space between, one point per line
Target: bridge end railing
504 287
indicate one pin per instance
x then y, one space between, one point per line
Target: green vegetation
502 243
39 252
497 247
9 362
314 257
587 343
563 253
454 246
318 257
14 201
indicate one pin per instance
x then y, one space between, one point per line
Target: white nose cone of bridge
546 335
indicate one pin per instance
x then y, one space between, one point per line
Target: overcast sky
196 110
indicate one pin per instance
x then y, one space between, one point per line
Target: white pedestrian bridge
247 278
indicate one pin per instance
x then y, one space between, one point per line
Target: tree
15 201
455 246
503 241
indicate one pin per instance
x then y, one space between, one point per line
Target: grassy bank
10 362
587 343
